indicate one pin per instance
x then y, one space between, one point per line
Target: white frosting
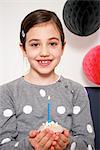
54 126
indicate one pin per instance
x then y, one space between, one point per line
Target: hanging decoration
82 17
91 65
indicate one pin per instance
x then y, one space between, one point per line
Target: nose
44 51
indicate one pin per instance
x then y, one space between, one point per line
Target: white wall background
11 60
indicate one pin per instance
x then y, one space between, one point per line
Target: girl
23 102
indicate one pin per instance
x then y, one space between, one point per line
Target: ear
63 47
22 49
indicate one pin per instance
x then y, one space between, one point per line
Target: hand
41 140
33 133
61 141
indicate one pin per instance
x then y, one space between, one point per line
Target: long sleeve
8 124
23 108
82 133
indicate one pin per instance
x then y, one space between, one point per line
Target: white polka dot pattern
42 93
89 147
6 140
7 113
17 143
61 109
73 146
76 110
27 109
89 128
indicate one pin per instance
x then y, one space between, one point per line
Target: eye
35 44
53 43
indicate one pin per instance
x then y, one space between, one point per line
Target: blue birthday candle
49 110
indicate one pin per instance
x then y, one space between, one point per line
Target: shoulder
10 85
70 83
73 86
78 91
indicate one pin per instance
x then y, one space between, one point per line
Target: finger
40 136
52 148
62 141
40 144
58 133
66 133
33 133
62 144
54 143
63 138
32 141
45 140
57 147
56 138
48 143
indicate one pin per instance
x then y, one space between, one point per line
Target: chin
46 73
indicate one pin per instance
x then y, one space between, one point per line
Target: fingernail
51 132
57 137
54 143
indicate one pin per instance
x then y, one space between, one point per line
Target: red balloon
91 65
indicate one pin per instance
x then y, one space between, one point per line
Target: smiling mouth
44 63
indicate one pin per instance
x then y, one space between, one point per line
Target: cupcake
53 126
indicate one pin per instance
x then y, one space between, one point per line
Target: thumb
66 133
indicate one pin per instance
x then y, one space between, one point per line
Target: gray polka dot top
23 107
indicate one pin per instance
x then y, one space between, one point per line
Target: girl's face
43 48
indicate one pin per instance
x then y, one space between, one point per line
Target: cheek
57 53
32 54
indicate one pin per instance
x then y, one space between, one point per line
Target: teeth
44 61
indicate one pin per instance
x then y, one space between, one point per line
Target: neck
41 79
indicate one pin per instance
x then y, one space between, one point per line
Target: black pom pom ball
82 17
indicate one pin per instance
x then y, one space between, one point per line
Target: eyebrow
53 38
34 40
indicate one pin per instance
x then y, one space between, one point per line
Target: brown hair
37 17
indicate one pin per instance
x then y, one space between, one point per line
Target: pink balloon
91 65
